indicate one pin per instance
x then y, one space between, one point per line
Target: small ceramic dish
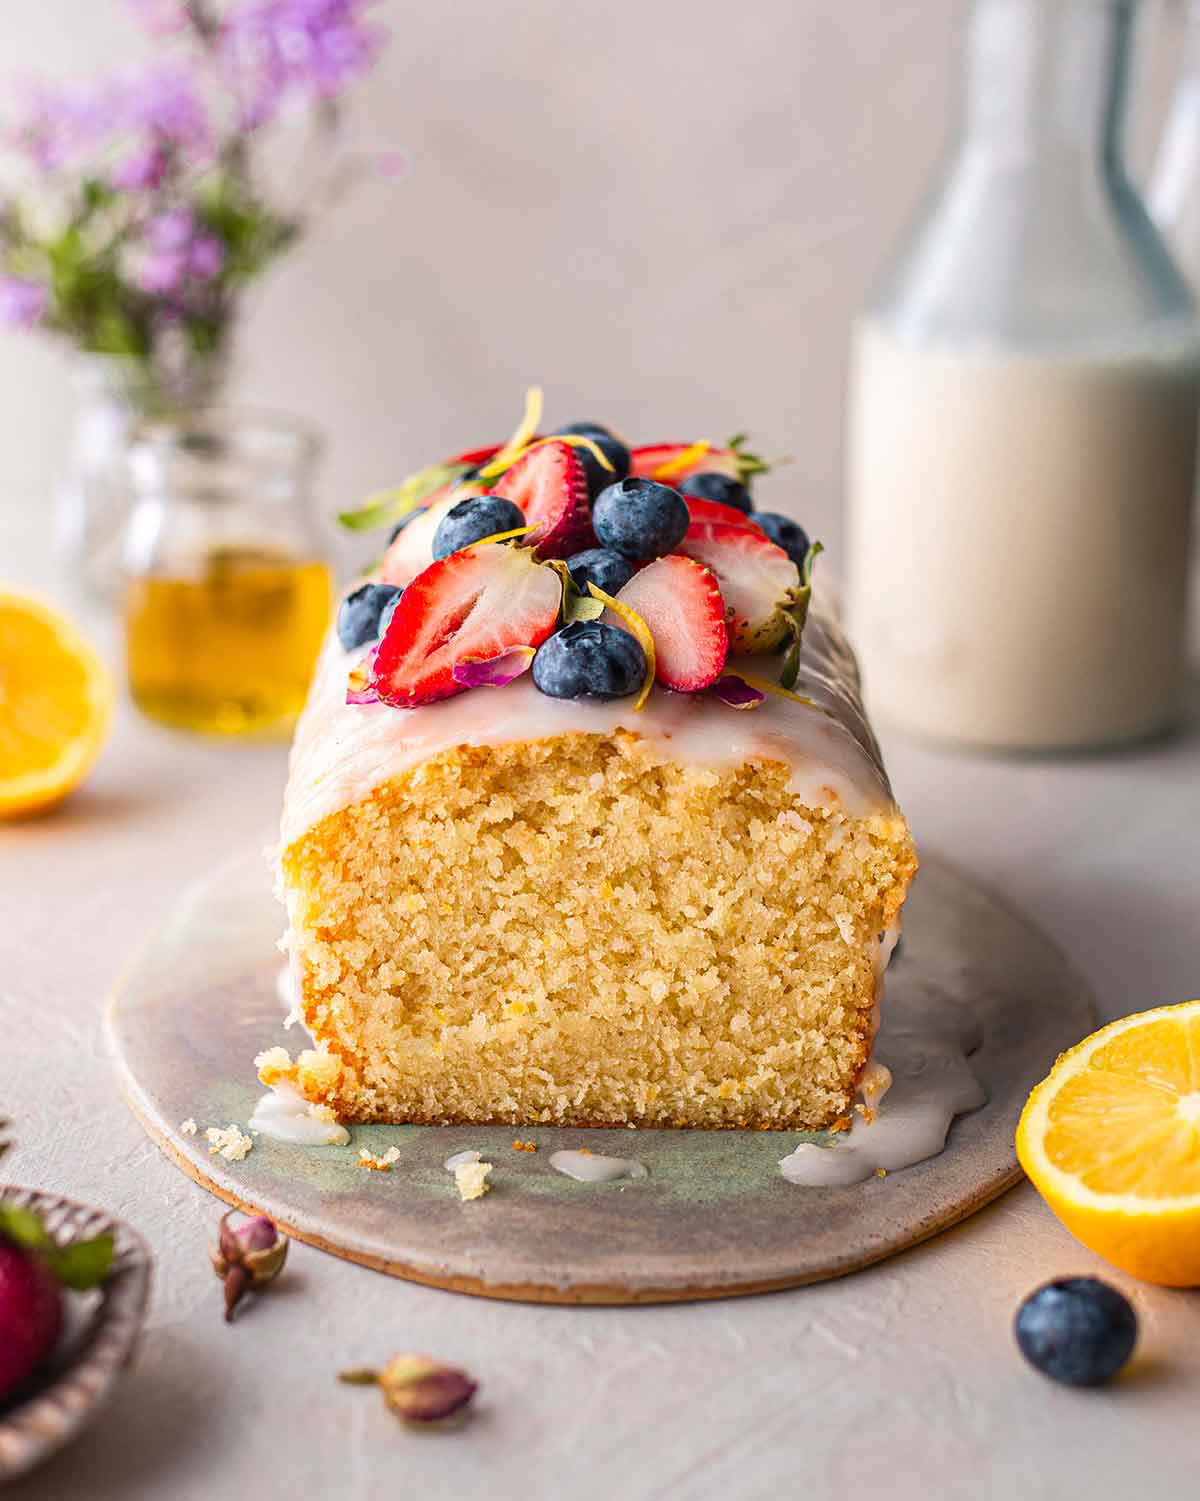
98 1342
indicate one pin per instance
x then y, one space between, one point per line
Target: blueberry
360 615
709 485
785 533
1077 1330
610 446
640 518
473 519
588 659
385 619
584 429
601 566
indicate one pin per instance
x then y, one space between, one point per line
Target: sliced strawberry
474 604
474 456
550 486
713 510
681 603
758 580
412 551
645 462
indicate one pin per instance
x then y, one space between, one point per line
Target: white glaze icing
285 1115
592 1167
342 752
927 1082
461 1159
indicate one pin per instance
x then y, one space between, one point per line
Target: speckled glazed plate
98 1343
713 1218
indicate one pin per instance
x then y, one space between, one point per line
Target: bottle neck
1046 81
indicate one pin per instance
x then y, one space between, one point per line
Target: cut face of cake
566 896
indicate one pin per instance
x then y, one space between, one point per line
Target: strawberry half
681 603
549 483
713 510
758 581
644 462
412 551
474 456
472 605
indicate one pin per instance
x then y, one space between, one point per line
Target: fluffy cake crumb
378 1164
188 1127
460 966
230 1142
524 1146
470 1179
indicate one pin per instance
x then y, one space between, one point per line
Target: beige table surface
900 1382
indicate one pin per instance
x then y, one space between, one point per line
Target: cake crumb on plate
230 1142
381 1164
470 1178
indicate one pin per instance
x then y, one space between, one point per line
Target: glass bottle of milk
1024 411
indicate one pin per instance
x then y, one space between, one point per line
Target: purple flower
178 249
171 231
206 256
63 122
22 302
165 102
142 169
275 50
66 123
163 273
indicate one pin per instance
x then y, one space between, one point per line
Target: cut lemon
56 699
1111 1140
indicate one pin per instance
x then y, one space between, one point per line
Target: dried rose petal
736 692
360 686
251 1255
258 1234
420 1389
493 672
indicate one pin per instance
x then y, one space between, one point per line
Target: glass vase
1023 436
228 587
93 498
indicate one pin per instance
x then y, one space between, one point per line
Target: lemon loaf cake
585 824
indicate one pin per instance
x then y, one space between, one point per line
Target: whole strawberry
31 1315
34 1270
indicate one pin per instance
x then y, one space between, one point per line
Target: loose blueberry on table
1077 1330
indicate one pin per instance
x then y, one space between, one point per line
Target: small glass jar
228 587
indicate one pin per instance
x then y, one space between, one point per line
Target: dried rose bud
418 1388
251 1255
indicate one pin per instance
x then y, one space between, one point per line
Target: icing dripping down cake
642 883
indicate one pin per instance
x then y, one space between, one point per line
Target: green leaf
749 464
576 605
23 1228
390 505
797 615
84 1264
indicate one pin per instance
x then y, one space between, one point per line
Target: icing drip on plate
284 1114
591 1167
918 1081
